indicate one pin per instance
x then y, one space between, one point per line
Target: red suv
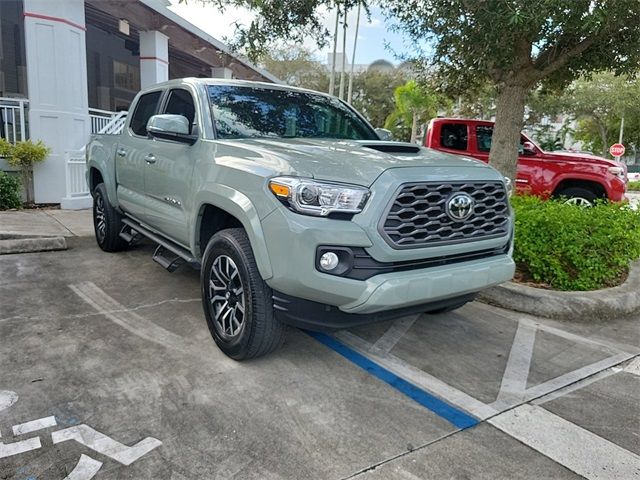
580 177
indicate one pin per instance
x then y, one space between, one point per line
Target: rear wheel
579 196
237 302
107 222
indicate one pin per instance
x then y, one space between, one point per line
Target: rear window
454 136
145 109
483 136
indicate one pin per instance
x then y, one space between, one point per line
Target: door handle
121 152
151 158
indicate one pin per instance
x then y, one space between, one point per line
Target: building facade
69 68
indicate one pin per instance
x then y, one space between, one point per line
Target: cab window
454 136
145 109
180 102
483 137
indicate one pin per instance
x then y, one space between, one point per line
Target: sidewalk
47 222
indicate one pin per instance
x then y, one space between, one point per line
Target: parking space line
420 378
577 449
580 384
574 376
127 319
516 373
633 367
393 335
441 408
34 425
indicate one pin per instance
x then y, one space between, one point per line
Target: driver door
169 173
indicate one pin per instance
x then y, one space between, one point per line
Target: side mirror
384 134
529 148
171 127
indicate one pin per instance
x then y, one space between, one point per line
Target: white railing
104 121
13 119
75 174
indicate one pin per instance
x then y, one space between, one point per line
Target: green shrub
634 185
9 192
573 248
24 155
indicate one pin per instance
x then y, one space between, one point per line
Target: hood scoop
393 147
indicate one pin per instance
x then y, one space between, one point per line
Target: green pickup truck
295 211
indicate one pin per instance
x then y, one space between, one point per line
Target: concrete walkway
47 222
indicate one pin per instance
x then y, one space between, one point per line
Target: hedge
572 248
9 191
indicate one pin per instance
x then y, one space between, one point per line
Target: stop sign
616 150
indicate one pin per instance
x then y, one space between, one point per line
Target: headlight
309 197
618 172
508 184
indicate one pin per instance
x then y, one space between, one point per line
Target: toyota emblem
460 206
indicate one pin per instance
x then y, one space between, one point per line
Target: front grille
417 216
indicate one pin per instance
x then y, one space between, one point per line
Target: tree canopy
514 44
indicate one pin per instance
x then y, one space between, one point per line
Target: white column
154 58
57 86
221 72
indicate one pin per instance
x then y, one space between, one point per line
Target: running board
181 255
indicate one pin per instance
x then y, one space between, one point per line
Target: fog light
329 261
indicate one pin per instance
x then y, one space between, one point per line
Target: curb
622 300
12 243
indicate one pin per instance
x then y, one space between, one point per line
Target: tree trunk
602 129
27 176
506 133
414 127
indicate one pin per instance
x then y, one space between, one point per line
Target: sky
375 39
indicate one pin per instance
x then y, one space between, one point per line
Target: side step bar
171 263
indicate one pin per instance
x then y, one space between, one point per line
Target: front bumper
292 241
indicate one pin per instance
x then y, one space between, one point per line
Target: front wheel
237 302
580 197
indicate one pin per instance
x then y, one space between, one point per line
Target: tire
237 302
107 222
578 196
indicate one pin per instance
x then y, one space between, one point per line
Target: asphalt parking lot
107 370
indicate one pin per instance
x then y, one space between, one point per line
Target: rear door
130 156
526 163
168 176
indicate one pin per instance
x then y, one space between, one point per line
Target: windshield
241 112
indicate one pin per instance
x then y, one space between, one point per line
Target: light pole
353 57
332 79
344 54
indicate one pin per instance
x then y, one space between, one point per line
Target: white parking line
127 319
34 425
516 373
393 335
572 446
633 367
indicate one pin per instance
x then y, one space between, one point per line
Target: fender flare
240 206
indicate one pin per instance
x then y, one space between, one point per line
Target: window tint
181 103
241 112
145 109
483 135
454 136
